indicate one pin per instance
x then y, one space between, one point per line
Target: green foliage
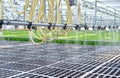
16 39
74 37
16 33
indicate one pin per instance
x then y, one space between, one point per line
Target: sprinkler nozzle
99 27
86 27
65 27
50 25
1 22
77 27
29 25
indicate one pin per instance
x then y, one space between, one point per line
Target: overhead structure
53 16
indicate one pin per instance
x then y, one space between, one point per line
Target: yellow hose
1 10
47 32
30 19
31 33
69 18
44 34
40 17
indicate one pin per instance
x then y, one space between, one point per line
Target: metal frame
49 25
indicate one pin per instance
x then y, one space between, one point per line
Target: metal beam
24 23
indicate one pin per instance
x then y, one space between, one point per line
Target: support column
95 19
115 17
78 12
45 10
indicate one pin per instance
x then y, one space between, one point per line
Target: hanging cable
1 10
1 17
51 32
31 31
69 17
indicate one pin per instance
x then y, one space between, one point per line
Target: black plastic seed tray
99 76
10 59
38 62
19 67
75 67
28 75
58 60
2 63
7 73
56 72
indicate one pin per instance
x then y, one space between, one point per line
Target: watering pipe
31 24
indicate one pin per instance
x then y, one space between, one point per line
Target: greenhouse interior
59 38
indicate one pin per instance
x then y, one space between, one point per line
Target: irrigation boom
32 24
26 23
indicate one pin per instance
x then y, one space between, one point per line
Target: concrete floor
25 60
